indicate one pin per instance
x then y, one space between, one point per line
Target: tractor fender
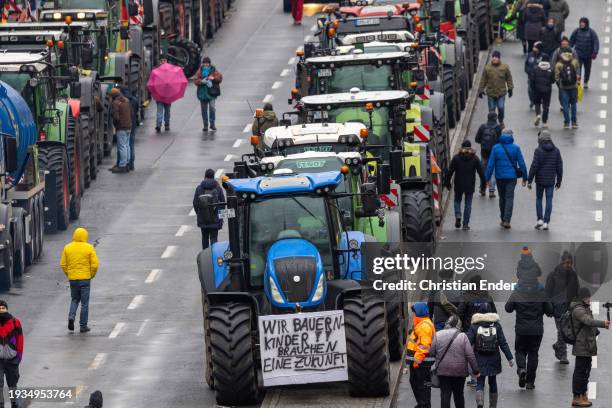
435 86
212 276
87 91
5 226
449 51
459 51
17 225
118 65
427 116
151 16
436 102
338 290
394 226
136 43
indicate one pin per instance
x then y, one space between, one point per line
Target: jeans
132 141
531 92
560 346
452 386
209 236
586 63
582 372
484 158
79 292
542 104
419 378
506 198
540 190
11 371
569 98
208 108
480 383
527 348
163 112
498 103
467 210
123 146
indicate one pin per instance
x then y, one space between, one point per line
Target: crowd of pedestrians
459 335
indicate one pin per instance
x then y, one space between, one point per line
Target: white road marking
607 39
292 61
599 161
603 114
142 326
594 359
182 230
237 143
603 100
219 173
118 327
314 28
607 19
247 128
285 72
307 38
137 301
606 61
592 390
97 361
602 128
599 178
277 85
595 307
228 157
604 86
268 98
597 236
606 50
169 251
598 215
601 144
192 213
153 275
607 29
604 74
598 195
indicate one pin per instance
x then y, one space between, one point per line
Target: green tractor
60 142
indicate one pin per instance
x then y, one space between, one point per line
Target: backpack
488 138
486 339
566 327
568 74
208 209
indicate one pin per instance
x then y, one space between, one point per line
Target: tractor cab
378 8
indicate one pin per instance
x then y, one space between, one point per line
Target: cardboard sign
303 348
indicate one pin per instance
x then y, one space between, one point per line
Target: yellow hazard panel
412 164
413 116
374 165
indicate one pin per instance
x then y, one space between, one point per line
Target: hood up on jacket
544 65
80 235
492 118
506 138
485 318
586 22
466 153
566 55
209 184
528 267
420 309
269 115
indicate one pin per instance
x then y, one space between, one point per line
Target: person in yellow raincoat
80 264
417 355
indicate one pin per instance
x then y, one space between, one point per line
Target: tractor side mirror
75 90
124 32
369 201
397 168
384 174
11 154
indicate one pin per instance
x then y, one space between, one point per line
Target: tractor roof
384 56
286 184
13 61
14 37
354 97
84 14
312 133
371 24
278 160
47 25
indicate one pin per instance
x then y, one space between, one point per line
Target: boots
581 400
480 399
492 400
585 401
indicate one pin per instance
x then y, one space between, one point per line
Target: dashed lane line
142 326
277 85
237 143
182 230
604 86
602 128
601 144
597 236
603 114
599 161
169 251
592 390
115 332
598 215
137 301
268 98
153 275
607 29
598 195
98 360
603 99
228 157
285 72
192 213
606 61
307 39
219 173
604 74
607 39
599 178
595 307
594 361
292 61
247 128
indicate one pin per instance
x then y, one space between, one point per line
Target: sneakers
574 125
131 166
539 224
212 127
522 378
85 329
559 356
537 120
491 194
530 386
457 223
71 324
118 170
167 128
565 125
205 129
545 226
483 192
157 129
506 225
466 227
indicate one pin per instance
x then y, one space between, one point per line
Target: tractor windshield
76 4
20 82
364 77
286 217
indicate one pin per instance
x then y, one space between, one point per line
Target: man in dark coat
585 347
559 10
488 136
530 303
542 78
464 167
561 288
547 169
535 18
125 91
210 228
586 43
550 37
531 62
95 400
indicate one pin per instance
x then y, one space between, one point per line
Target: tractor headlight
355 161
274 292
353 244
270 166
348 161
57 16
80 15
342 139
227 255
320 287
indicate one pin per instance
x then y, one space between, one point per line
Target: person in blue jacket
508 164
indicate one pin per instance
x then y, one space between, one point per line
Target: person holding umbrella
167 83
163 109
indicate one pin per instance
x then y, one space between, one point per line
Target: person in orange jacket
417 356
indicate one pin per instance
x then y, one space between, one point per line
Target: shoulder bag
517 169
435 380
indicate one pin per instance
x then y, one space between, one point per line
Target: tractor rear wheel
208 371
395 330
54 158
232 351
107 144
6 272
483 19
85 127
74 146
418 219
448 85
366 348
441 143
185 54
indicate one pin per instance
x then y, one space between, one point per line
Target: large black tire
287 6
136 77
232 350
418 217
395 330
441 144
367 348
448 87
187 55
483 19
19 265
85 129
74 146
31 249
107 143
6 272
41 223
54 158
208 371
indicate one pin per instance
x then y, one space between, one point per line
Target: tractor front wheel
417 209
54 159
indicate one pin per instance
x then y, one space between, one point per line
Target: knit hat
268 107
209 174
584 293
507 132
466 144
115 92
492 116
3 303
539 45
496 54
566 255
525 251
544 136
564 38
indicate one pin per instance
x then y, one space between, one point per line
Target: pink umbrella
167 83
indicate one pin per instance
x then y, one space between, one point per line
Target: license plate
318 115
318 149
325 72
367 22
227 213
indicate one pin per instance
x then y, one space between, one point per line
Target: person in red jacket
297 8
11 350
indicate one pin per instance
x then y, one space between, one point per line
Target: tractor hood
285 184
294 272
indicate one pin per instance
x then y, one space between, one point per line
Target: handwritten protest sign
303 348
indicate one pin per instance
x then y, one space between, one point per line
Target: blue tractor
288 252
